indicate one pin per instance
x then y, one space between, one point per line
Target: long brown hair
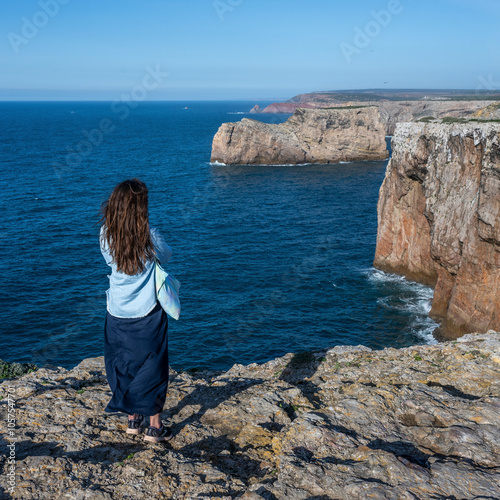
125 220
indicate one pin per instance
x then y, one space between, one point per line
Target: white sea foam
283 164
297 164
357 161
216 163
409 297
237 112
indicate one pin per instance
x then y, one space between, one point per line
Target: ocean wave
407 297
218 164
237 112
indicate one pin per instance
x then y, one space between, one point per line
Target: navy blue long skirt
136 359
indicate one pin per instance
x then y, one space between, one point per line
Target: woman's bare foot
135 416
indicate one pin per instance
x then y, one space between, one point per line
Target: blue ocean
270 259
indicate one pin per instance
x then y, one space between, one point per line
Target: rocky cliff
347 423
439 219
393 112
286 107
309 136
490 112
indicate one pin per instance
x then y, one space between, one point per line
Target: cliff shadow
298 372
232 463
301 367
66 384
405 450
208 397
103 454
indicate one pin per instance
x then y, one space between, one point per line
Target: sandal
135 425
155 435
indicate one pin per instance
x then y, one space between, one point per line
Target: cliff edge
439 219
308 136
347 423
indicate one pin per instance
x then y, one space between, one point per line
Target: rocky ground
348 423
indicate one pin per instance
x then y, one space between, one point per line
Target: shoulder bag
167 291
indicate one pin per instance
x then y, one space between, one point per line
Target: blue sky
243 49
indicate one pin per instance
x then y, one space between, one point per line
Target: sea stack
308 136
439 219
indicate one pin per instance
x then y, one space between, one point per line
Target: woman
135 331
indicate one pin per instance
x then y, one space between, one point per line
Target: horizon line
482 92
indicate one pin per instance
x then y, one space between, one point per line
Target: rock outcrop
490 112
347 423
439 219
393 112
256 109
309 136
286 107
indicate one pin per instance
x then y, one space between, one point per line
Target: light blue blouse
133 296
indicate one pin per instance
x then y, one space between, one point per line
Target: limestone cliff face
286 107
309 136
393 112
439 219
490 112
